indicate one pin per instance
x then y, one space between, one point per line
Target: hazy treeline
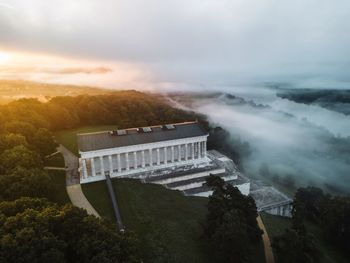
123 109
335 100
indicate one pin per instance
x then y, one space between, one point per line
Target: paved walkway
267 244
74 190
78 199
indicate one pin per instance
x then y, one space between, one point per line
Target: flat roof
106 140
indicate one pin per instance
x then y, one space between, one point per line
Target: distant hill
16 89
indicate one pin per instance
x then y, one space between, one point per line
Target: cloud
57 70
193 40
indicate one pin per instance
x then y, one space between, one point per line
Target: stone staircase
191 180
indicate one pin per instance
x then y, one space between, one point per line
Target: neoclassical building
173 155
139 150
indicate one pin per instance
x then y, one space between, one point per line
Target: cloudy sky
190 41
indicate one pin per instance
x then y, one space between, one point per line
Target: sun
4 58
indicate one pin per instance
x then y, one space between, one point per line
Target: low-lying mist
290 143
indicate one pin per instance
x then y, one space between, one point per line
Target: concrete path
74 190
78 199
267 244
71 163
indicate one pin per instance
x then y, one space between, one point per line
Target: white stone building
173 155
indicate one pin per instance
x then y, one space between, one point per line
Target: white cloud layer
191 41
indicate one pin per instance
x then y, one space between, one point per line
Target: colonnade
122 162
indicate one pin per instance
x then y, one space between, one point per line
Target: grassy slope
275 225
55 161
166 221
68 138
59 179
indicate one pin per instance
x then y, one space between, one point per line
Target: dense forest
331 214
33 226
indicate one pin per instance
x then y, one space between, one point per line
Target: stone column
85 174
186 152
135 160
205 148
179 153
165 155
150 157
119 165
102 166
172 154
192 150
143 158
127 161
158 157
92 164
110 164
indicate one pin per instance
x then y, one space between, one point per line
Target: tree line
331 214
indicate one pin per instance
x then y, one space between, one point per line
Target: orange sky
58 69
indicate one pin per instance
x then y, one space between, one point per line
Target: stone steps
183 176
196 182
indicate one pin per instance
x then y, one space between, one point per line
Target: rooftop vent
121 132
169 127
146 129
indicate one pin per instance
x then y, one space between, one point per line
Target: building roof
112 139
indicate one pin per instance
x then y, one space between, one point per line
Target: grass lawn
275 225
166 222
68 138
55 161
59 178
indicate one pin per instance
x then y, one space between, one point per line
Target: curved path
267 244
78 199
74 190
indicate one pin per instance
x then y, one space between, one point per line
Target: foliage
231 227
336 222
309 203
26 182
35 230
19 156
124 109
295 247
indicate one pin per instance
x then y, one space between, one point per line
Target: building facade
122 153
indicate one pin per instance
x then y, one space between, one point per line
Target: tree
294 247
43 142
231 221
336 222
26 182
309 203
19 156
10 140
35 230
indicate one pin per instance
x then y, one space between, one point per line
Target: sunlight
4 58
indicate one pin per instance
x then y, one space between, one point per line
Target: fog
190 41
309 145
